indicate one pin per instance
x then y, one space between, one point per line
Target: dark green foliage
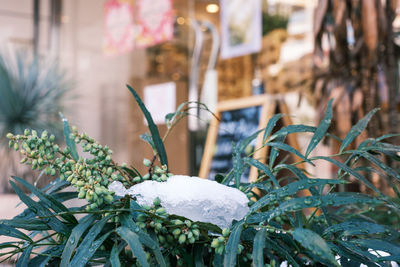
349 226
31 93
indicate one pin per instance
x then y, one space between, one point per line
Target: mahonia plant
90 176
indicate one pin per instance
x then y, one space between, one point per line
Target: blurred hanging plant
117 231
31 93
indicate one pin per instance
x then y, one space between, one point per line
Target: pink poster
155 22
119 30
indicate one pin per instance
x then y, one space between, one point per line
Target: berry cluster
219 243
91 176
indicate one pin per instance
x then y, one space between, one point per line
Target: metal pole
36 20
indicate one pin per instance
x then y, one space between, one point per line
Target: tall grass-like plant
32 91
117 231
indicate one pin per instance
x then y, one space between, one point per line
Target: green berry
182 239
146 162
9 135
157 201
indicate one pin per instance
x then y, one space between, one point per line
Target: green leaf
258 248
45 256
127 221
24 259
48 200
41 211
282 251
271 124
114 257
26 224
380 164
6 230
357 129
290 190
198 255
134 243
155 135
245 142
92 247
315 244
353 227
263 168
68 140
296 128
74 237
321 129
275 151
350 171
79 258
238 167
232 245
377 244
295 204
290 149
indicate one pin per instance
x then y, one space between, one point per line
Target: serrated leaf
74 237
155 135
147 138
377 244
79 258
127 221
136 246
270 125
357 129
45 256
380 164
351 228
92 248
114 257
238 167
290 190
245 142
68 141
41 211
232 245
48 200
350 251
350 171
198 256
285 147
315 244
262 167
283 252
258 248
24 258
26 224
321 129
6 230
275 151
296 128
296 204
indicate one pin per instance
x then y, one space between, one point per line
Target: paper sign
119 33
160 99
155 22
241 27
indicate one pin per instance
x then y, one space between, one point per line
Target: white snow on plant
191 197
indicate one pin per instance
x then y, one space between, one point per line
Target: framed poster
238 119
119 30
241 27
155 22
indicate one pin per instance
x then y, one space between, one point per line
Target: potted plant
117 231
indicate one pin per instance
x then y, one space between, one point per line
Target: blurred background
76 57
